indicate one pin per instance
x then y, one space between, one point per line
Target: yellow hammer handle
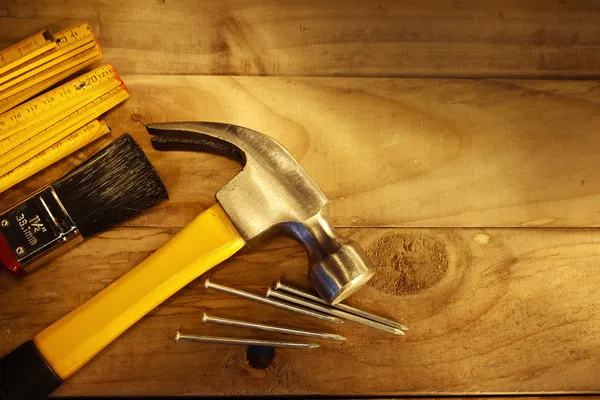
73 340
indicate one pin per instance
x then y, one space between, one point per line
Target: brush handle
73 340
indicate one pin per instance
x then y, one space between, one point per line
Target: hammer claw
193 136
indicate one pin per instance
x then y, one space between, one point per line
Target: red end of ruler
123 85
7 257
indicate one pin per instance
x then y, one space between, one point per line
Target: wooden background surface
469 38
491 185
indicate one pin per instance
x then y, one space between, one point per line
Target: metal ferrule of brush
34 229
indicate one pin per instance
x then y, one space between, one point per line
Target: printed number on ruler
60 118
81 32
78 118
16 99
65 97
29 150
49 156
66 101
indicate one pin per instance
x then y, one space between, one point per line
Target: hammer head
273 195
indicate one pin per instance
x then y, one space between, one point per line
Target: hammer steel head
273 195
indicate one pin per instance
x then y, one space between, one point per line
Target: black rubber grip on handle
25 375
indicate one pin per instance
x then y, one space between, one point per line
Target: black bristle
115 184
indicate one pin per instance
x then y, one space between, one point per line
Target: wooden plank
460 38
489 311
495 397
388 152
507 397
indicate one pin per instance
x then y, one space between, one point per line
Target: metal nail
275 303
339 306
333 311
245 342
4 223
269 328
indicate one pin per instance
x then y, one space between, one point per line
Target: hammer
272 195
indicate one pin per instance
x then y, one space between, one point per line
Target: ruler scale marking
68 116
16 99
61 67
44 159
25 50
76 37
21 75
59 117
56 100
75 121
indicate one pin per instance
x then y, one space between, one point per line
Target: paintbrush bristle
115 184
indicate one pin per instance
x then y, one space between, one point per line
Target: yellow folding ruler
39 132
54 153
30 132
25 50
16 155
49 108
91 54
16 99
69 42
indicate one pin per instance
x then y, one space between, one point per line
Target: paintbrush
115 184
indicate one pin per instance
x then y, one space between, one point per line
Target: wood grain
515 311
460 38
388 152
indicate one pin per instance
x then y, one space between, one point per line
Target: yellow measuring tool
54 153
58 131
92 54
41 131
34 71
47 109
16 99
25 50
69 42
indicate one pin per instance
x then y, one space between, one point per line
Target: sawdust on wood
407 263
